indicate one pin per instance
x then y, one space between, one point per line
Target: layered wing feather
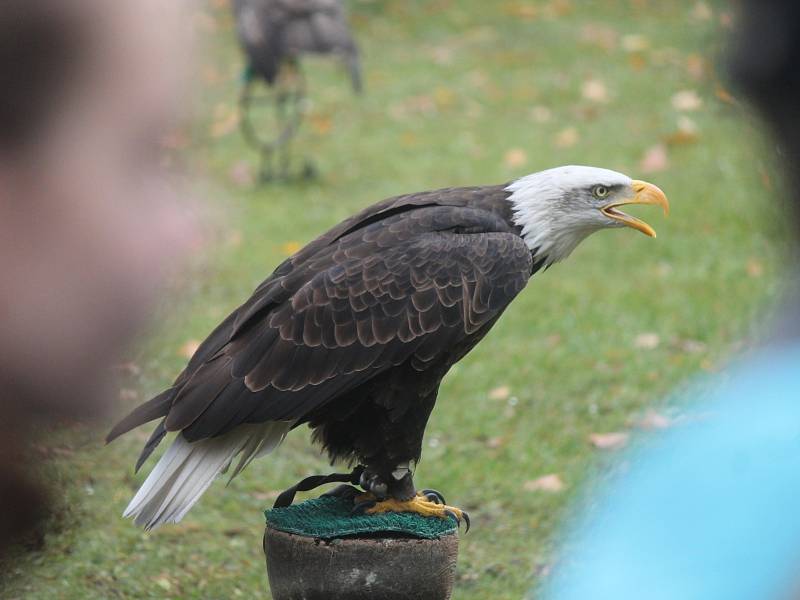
404 281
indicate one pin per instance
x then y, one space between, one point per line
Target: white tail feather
187 469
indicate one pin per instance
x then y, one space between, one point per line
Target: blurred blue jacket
709 510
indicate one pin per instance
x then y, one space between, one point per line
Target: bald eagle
354 333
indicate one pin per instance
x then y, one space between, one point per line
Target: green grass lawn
459 92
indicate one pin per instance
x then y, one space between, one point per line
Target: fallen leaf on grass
696 66
647 341
290 248
754 267
701 12
766 180
522 10
653 420
500 393
567 138
598 35
557 8
595 90
516 157
322 124
496 442
541 114
686 100
188 349
635 42
235 238
226 120
609 441
686 133
546 483
444 97
692 346
163 583
655 160
724 95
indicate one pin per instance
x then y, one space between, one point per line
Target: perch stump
318 550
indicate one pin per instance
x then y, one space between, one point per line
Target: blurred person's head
87 220
88 225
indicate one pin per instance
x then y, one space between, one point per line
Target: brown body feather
354 333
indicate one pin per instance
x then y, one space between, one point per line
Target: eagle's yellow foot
421 504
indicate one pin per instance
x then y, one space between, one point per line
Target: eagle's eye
600 191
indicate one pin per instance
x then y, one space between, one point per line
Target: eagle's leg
266 171
286 133
390 494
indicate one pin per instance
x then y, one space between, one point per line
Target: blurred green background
459 92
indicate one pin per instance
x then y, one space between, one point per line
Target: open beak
646 193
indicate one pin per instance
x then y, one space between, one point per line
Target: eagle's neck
550 233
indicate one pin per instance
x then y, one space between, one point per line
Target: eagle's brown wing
404 284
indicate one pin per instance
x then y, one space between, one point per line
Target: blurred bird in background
274 35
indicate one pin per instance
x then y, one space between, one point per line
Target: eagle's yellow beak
646 193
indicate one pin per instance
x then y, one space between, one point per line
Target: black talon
439 498
465 514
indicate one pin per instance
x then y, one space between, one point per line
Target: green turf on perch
330 517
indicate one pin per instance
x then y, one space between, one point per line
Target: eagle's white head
558 208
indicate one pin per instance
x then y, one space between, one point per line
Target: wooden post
371 567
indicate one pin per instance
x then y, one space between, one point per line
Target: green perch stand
318 550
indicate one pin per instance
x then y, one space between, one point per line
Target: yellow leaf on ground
444 97
541 114
500 393
724 95
696 66
188 349
516 157
496 442
647 341
755 268
290 248
687 100
595 90
320 123
701 12
566 138
522 10
226 120
635 42
601 36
